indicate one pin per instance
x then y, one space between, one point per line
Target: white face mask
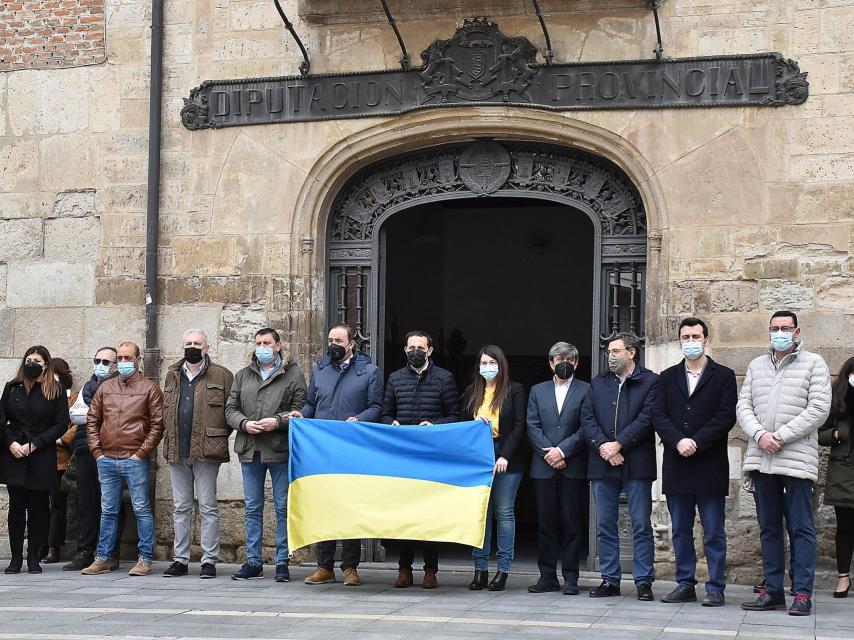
851 380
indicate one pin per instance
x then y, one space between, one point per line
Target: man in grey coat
345 385
785 398
262 397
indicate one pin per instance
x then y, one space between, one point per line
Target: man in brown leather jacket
124 425
195 444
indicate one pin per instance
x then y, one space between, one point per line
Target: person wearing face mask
344 385
423 394
124 425
616 418
195 437
500 403
86 474
785 398
262 398
694 413
34 414
558 470
839 486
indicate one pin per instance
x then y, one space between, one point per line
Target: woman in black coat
34 414
500 403
839 487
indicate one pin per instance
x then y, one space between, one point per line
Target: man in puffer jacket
785 398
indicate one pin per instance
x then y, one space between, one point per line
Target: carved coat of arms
478 64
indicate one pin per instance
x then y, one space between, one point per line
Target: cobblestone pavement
69 606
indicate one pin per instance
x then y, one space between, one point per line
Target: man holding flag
345 385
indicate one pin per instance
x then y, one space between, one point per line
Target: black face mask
336 352
193 355
564 370
416 358
33 369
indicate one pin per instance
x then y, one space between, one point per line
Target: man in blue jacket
558 470
345 385
694 413
616 418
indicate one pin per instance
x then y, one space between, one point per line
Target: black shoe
15 564
605 590
208 570
176 569
283 574
802 606
249 572
33 565
80 562
544 586
52 556
645 593
570 589
765 602
682 593
478 583
499 581
713 599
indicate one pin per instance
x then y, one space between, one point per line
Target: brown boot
429 581
351 577
404 579
98 566
141 568
321 575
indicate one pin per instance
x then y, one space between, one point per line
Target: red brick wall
37 34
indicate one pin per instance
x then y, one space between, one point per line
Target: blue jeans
502 499
683 508
254 475
779 497
112 474
606 493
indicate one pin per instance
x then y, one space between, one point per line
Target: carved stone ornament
194 115
483 168
791 84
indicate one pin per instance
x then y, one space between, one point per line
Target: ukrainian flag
365 480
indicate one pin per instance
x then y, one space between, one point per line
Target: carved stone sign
481 66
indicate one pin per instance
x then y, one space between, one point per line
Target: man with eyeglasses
785 398
616 418
86 474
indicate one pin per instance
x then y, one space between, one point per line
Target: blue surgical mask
265 355
489 371
102 371
692 350
780 340
126 369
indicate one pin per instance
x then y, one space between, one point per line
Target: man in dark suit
616 417
694 412
558 470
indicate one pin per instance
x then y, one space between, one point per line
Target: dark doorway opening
515 272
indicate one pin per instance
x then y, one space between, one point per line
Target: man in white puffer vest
785 398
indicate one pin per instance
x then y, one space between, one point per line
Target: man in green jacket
261 397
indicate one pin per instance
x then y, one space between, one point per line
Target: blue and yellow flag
365 480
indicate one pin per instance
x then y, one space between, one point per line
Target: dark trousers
844 538
89 507
560 517
683 508
429 551
29 513
58 514
351 552
782 498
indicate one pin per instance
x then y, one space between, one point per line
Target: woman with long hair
64 446
35 414
839 487
499 402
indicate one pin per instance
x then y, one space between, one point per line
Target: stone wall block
740 329
770 269
58 173
19 165
7 332
114 261
108 326
782 294
119 291
75 203
126 197
50 283
125 168
179 290
24 205
234 289
75 239
734 296
20 239
688 297
240 322
62 331
203 256
248 254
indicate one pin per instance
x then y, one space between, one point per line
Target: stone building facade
747 209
